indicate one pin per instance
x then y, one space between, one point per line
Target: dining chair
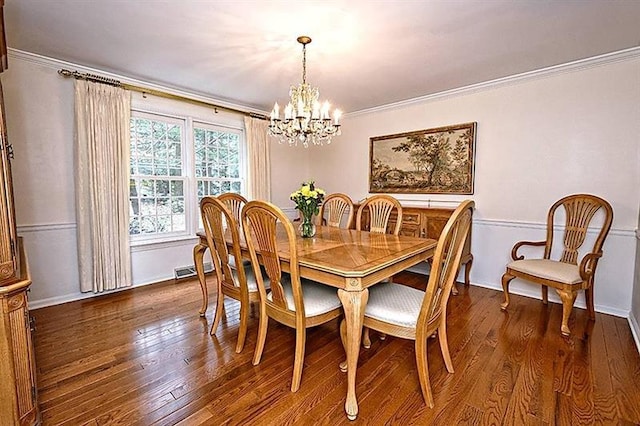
380 208
572 272
292 301
235 280
410 313
335 206
234 203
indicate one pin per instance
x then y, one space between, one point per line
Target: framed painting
432 161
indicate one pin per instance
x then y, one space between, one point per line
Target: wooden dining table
349 260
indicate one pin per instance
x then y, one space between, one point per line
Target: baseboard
537 295
74 297
635 330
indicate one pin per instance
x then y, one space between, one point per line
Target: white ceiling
364 53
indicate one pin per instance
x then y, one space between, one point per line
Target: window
217 160
174 163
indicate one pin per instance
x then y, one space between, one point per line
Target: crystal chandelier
305 120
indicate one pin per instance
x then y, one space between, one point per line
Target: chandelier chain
304 63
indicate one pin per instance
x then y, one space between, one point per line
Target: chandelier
305 119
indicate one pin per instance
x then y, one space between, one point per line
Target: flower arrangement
308 199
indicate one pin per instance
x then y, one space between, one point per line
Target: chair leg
262 334
423 369
343 337
568 297
467 271
301 334
366 338
545 294
244 321
590 307
444 344
506 279
219 311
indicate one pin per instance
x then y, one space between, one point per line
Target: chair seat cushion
565 273
317 298
251 277
394 304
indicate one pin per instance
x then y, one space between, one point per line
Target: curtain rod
117 83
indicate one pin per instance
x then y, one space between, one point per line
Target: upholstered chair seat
317 298
250 276
565 273
394 304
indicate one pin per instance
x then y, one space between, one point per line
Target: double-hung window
175 161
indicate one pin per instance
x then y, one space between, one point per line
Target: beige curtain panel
103 115
259 176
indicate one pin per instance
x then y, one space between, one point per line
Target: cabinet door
8 259
410 223
22 350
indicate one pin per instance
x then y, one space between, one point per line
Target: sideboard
425 222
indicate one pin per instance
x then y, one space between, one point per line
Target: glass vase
307 227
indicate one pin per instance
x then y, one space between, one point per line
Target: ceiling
364 53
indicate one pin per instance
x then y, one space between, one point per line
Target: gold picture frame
432 161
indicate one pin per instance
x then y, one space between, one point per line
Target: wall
634 317
40 123
538 138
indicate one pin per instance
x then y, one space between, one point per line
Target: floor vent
190 271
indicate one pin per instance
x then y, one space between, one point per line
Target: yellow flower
313 194
305 190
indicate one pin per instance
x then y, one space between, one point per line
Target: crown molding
581 64
57 64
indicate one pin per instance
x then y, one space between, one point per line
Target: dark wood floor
144 357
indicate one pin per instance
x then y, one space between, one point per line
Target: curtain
103 115
259 173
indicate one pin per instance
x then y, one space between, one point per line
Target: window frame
189 121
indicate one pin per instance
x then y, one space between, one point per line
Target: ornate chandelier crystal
305 119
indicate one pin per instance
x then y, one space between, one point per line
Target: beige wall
538 139
40 124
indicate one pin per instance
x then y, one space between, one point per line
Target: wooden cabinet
18 396
426 222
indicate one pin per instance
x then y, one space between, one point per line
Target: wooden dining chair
409 313
291 301
234 202
571 272
235 280
380 208
335 206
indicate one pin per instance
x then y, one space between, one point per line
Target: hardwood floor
144 356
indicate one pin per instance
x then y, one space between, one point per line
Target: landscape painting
433 161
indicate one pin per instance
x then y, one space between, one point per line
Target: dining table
349 260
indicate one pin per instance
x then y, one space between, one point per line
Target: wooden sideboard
18 393
425 222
